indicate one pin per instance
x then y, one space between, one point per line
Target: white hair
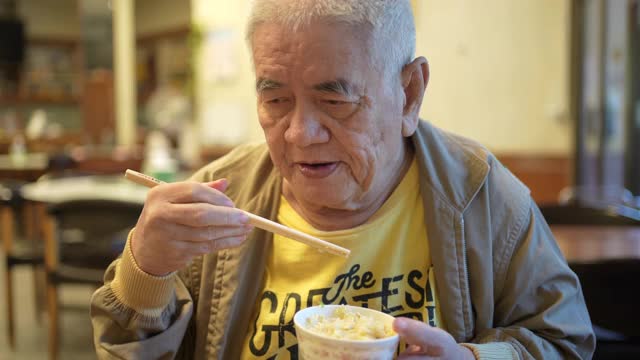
390 22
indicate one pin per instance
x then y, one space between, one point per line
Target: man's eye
276 101
339 109
277 107
335 102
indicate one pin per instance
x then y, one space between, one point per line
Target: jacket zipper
465 268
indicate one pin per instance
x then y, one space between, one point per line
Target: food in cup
345 323
357 333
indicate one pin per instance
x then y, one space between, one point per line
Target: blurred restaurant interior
90 88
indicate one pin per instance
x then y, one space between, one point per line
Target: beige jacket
503 284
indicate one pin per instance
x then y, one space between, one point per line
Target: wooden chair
82 237
24 252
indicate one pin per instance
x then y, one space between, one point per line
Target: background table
28 167
105 187
595 243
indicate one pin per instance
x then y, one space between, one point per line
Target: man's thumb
220 184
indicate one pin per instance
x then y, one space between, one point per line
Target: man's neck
330 219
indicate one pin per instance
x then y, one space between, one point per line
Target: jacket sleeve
139 316
540 311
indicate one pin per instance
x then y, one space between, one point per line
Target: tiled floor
31 336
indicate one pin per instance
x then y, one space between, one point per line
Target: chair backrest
61 162
610 293
91 233
578 214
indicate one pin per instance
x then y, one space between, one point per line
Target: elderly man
442 236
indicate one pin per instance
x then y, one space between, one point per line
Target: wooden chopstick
257 221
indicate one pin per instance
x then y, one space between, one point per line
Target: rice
349 325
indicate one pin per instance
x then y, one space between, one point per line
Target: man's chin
323 196
333 192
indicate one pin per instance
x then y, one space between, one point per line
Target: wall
225 96
50 19
154 16
499 71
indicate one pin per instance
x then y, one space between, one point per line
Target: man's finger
205 233
220 244
413 349
192 192
414 352
220 185
430 340
203 215
404 356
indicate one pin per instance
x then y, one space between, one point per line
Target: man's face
332 121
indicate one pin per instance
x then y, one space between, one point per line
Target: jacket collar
453 172
455 168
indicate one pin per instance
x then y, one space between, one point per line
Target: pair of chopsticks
257 221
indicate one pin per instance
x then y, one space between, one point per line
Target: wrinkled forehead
321 49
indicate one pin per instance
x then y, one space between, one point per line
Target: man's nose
305 128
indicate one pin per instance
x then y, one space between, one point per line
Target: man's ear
415 77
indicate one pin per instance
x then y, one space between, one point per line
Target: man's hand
427 342
185 219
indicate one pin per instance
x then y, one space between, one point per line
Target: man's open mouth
317 170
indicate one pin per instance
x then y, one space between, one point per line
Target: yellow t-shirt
389 270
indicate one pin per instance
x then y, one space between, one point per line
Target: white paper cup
314 346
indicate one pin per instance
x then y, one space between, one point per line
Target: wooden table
27 167
596 243
107 187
